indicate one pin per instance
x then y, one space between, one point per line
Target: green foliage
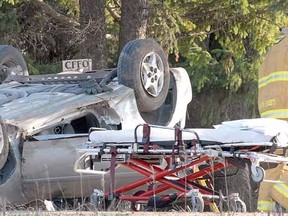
9 26
67 7
36 68
164 23
112 35
224 42
12 2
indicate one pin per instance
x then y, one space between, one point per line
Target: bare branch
60 18
117 2
113 13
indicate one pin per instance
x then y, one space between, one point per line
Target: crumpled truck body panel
37 111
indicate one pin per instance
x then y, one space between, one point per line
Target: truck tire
4 145
238 180
143 66
11 62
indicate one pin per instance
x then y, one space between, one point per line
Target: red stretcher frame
182 185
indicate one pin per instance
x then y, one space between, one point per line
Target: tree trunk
133 24
93 25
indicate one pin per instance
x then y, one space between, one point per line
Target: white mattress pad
238 131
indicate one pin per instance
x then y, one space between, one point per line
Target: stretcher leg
183 184
212 204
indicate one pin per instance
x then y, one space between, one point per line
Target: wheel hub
152 74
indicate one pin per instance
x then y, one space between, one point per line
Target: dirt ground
70 213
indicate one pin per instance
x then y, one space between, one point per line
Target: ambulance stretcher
188 157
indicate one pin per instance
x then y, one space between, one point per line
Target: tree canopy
220 43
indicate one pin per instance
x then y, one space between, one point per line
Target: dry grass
70 213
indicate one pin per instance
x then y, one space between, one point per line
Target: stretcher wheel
259 174
137 206
123 206
238 206
197 204
97 199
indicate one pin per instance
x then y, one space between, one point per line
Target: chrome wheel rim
152 74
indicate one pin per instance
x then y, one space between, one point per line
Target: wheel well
84 123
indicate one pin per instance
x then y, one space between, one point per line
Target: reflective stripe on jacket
282 189
265 205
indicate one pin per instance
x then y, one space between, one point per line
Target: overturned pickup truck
45 118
